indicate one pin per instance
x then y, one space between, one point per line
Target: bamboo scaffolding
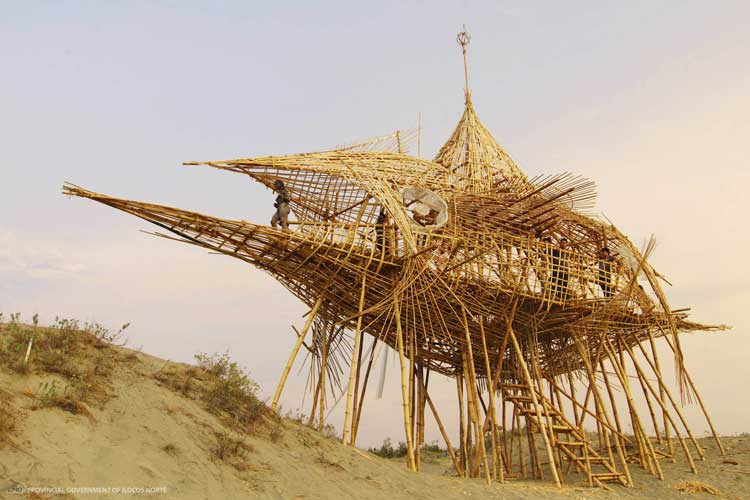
490 279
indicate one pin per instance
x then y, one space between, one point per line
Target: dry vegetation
75 362
223 387
232 449
78 354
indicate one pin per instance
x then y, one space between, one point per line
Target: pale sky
648 99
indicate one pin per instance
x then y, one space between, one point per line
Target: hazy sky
649 99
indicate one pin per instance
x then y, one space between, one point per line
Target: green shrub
387 450
230 391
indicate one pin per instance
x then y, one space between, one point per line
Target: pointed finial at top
463 40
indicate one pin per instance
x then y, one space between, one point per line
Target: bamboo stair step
516 386
571 443
532 412
562 428
608 476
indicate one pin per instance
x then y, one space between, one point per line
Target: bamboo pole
404 394
358 414
497 461
446 439
293 355
355 404
722 451
663 405
323 368
662 396
472 393
354 364
530 383
677 410
462 422
605 417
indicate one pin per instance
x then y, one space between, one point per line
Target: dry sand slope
120 419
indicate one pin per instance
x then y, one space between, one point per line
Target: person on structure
380 230
605 271
559 264
281 216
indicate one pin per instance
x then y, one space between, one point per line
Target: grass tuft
171 449
231 450
49 395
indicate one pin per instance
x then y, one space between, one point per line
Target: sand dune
121 424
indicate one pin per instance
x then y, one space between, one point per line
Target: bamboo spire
463 40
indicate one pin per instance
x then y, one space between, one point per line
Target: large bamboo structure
479 298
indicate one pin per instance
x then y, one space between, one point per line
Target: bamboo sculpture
485 296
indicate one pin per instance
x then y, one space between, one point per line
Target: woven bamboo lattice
480 299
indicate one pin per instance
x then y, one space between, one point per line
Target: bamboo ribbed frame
473 295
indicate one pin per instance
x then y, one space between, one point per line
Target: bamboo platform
475 300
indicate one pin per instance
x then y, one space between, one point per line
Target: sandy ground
148 435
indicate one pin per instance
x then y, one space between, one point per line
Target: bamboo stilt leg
361 401
447 441
323 368
521 459
404 394
674 404
530 383
601 410
355 405
497 465
622 374
293 355
664 408
471 463
573 395
472 375
462 424
662 396
316 395
353 367
637 430
412 390
722 451
507 457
